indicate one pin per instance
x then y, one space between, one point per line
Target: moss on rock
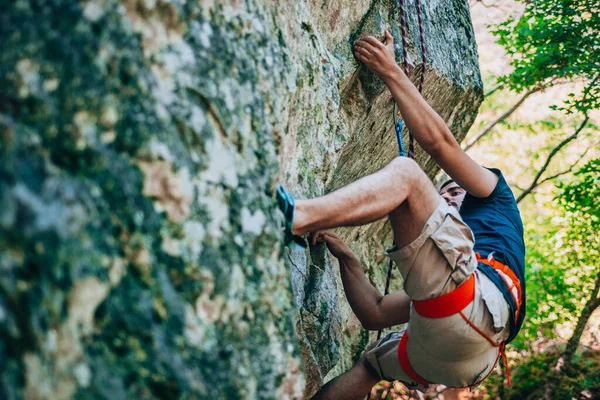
140 249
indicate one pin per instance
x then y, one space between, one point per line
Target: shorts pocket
455 240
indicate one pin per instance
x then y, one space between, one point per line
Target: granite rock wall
141 252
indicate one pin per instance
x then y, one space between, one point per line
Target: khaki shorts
444 350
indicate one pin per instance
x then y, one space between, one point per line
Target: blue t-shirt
497 227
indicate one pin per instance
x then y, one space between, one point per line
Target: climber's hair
449 181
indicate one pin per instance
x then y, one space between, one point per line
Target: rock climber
460 253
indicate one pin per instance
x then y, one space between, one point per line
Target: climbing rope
399 124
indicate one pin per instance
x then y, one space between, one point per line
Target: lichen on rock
141 251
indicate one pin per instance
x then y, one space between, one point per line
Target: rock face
140 246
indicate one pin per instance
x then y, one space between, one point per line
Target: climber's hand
336 246
378 57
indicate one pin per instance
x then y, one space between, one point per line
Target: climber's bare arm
428 128
372 309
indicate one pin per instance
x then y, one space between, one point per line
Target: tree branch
485 5
494 90
549 178
486 129
567 356
554 151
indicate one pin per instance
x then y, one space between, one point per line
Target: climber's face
453 194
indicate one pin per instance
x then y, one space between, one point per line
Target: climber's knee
405 167
410 174
420 202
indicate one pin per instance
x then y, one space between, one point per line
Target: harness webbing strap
405 362
453 303
447 304
412 374
510 279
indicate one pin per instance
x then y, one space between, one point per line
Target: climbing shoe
287 205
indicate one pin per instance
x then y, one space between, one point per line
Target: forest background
540 61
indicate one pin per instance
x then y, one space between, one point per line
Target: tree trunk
565 360
488 128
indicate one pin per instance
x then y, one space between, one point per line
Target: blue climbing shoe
287 205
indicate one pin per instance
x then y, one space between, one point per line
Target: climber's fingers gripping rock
335 245
377 56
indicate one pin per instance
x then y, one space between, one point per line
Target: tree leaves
555 40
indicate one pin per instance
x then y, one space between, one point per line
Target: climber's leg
440 258
354 384
400 183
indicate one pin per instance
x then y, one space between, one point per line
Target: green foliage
562 256
555 40
562 265
552 42
583 376
580 201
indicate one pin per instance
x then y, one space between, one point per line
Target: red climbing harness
453 303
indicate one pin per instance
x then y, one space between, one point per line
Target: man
465 306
